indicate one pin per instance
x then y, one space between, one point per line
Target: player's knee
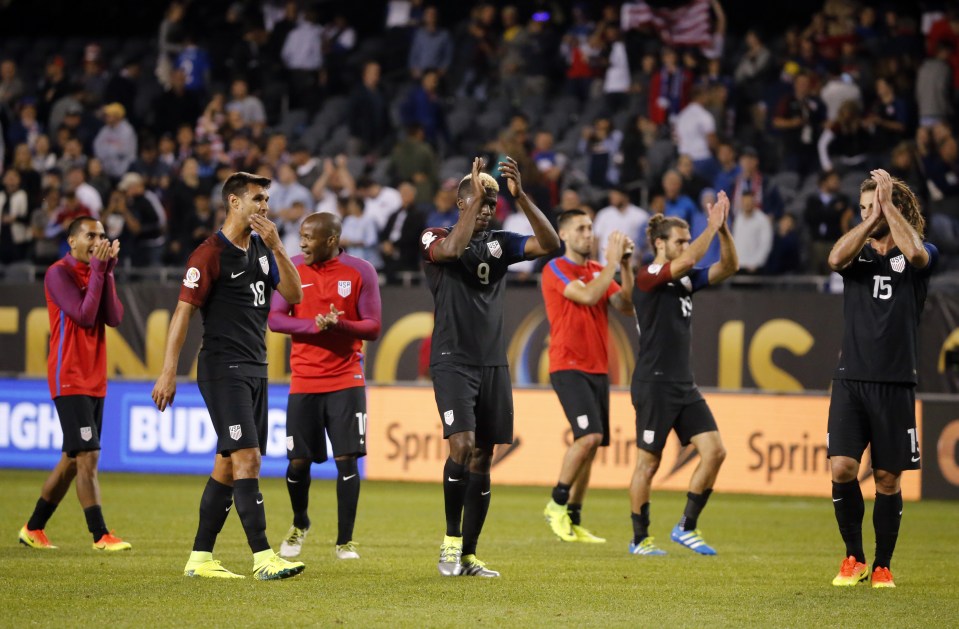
246 463
461 447
886 482
85 463
591 441
718 455
843 469
302 465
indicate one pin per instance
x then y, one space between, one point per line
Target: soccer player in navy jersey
466 270
230 278
885 265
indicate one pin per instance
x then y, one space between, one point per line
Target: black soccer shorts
81 420
585 400
238 409
310 417
474 399
664 406
882 414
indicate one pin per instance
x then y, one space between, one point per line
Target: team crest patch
448 417
86 433
427 239
654 269
344 288
582 421
687 283
289 442
236 432
495 249
648 436
898 263
192 277
265 264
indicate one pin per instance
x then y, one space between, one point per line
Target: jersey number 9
482 272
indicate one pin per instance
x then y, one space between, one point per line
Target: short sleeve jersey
578 334
468 296
883 297
232 288
664 310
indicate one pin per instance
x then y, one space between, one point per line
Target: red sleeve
429 239
652 276
613 289
203 269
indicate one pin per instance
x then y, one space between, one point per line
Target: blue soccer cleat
692 540
646 547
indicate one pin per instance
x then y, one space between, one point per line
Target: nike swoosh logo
349 477
452 480
236 275
915 459
484 493
290 480
305 285
836 499
228 508
260 501
862 259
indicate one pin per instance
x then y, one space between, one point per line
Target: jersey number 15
881 287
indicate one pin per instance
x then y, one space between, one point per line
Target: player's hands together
510 170
476 186
328 320
164 391
267 231
717 212
628 250
883 198
615 247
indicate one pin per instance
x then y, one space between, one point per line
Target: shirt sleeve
699 277
280 319
110 304
369 307
274 268
82 307
652 276
203 269
933 258
613 289
515 245
429 239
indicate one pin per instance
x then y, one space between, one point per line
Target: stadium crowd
622 109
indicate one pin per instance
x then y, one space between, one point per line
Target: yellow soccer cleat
111 543
202 564
851 572
584 535
268 566
882 578
558 519
35 539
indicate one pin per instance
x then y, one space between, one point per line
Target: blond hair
487 181
904 199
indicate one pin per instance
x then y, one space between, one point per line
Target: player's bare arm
851 243
589 294
545 239
289 285
165 388
716 217
728 262
903 234
623 300
454 245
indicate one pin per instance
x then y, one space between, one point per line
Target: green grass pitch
776 559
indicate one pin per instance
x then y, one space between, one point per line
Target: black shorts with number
882 414
310 417
585 400
239 412
81 418
474 399
664 406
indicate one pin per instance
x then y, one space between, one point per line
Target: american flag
685 25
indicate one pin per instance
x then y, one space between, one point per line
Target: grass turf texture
777 557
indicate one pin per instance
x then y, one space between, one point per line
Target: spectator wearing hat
116 143
144 222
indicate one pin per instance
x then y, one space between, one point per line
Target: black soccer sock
575 512
641 524
850 508
298 484
886 516
561 494
249 506
95 523
41 515
454 493
347 498
215 506
475 510
695 503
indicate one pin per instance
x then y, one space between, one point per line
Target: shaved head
324 222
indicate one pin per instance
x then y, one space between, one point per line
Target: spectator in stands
752 70
753 235
11 85
86 194
600 143
26 128
181 203
144 222
511 55
359 236
414 160
53 87
750 179
334 183
799 119
400 236
550 163
695 131
379 201
844 145
194 62
669 89
619 215
339 39
307 167
518 223
432 47
616 78
933 86
828 215
72 156
123 88
839 90
580 57
156 175
946 29
692 183
785 257
302 56
888 118
43 157
369 113
728 170
30 179
289 201
170 41
250 107
423 107
275 153
15 233
475 49
45 232
443 211
116 143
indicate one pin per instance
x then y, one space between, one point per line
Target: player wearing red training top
340 309
81 301
576 291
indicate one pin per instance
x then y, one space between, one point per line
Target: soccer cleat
35 539
111 543
293 544
210 569
646 547
692 540
473 567
558 519
882 578
274 567
347 551
584 535
852 572
451 555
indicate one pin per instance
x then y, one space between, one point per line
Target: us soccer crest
898 263
289 442
448 417
236 432
86 433
495 249
265 264
344 288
